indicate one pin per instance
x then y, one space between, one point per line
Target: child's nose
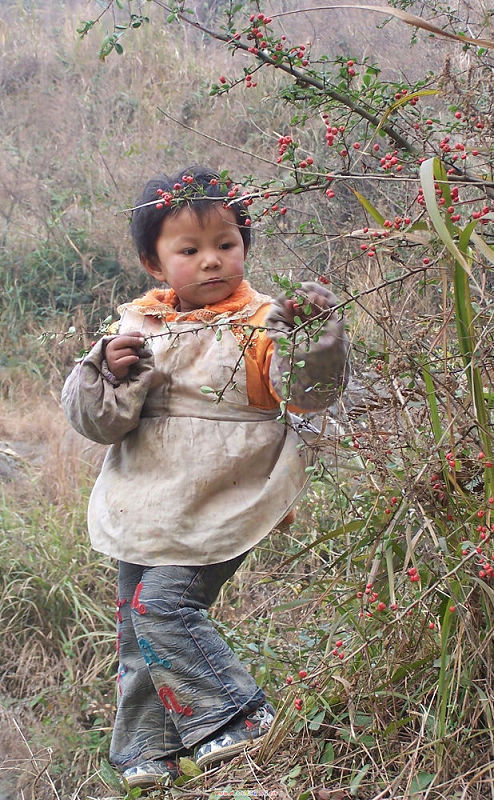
210 259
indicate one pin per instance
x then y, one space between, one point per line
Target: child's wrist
108 375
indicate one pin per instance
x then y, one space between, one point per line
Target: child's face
201 258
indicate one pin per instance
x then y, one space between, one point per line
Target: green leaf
357 780
327 756
207 390
108 775
294 772
219 334
189 767
420 782
317 721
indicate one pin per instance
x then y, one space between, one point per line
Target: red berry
289 679
302 673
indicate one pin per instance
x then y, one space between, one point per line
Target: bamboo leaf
405 99
482 246
433 406
466 234
369 207
409 19
443 688
356 525
427 176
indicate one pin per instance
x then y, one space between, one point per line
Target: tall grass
369 622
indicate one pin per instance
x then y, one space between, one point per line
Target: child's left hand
321 301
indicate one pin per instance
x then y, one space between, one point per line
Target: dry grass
371 723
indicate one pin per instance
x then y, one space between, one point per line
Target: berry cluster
256 34
284 142
488 464
390 160
332 131
337 652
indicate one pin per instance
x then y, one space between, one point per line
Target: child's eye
225 245
189 251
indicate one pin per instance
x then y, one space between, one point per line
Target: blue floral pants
178 681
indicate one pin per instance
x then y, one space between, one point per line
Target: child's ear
156 270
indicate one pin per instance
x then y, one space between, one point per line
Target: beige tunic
190 479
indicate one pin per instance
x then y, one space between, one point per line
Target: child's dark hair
195 187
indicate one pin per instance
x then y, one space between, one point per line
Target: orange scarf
163 303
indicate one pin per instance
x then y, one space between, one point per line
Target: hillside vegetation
370 621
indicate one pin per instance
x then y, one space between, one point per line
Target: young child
201 465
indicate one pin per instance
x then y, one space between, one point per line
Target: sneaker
237 736
161 772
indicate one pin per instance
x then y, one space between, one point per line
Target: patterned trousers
178 681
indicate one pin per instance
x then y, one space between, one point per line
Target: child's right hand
122 352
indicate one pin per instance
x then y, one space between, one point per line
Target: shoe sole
228 752
146 782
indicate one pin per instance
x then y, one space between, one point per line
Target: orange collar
163 303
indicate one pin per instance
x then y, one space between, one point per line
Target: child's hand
320 300
123 351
